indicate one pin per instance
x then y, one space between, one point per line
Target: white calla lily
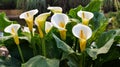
40 22
28 16
26 29
55 9
13 28
82 32
80 27
48 26
40 19
59 20
85 16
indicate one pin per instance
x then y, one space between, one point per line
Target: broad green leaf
4 21
13 50
104 37
40 61
70 37
73 12
111 57
74 60
93 6
98 20
93 52
97 32
62 45
51 48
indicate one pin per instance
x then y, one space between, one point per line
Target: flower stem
31 34
43 47
20 52
33 44
83 59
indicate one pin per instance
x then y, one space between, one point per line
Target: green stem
43 47
20 52
33 44
83 61
31 34
34 49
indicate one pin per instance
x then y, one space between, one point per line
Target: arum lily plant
71 43
40 22
13 29
85 16
29 16
55 9
59 20
83 33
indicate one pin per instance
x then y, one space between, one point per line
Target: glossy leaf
73 12
98 20
4 21
13 50
93 52
74 60
94 6
62 45
110 58
98 31
40 61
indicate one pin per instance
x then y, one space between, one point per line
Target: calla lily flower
26 29
48 26
83 33
59 20
55 9
85 16
40 22
28 16
13 28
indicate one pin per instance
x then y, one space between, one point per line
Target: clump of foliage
64 42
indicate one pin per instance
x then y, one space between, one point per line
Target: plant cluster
76 39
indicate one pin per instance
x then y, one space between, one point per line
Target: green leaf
117 39
74 60
51 48
98 20
40 61
73 12
13 50
69 37
93 6
98 32
93 52
111 57
104 38
4 21
62 45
